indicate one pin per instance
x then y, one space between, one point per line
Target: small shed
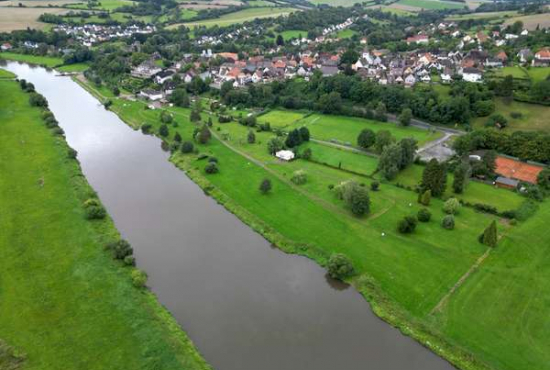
285 155
507 183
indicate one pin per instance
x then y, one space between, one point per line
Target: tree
461 175
543 179
355 196
251 137
274 145
366 138
380 112
299 177
195 115
307 154
374 186
265 186
489 236
434 177
204 134
389 161
451 206
408 150
340 266
405 117
177 137
139 278
383 138
293 139
280 41
489 160
448 222
37 100
349 57
407 225
166 117
330 103
163 130
304 133
211 168
424 215
425 197
497 120
187 147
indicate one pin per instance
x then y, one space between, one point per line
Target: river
245 304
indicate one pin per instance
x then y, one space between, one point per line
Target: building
471 74
506 183
517 170
285 155
152 95
542 58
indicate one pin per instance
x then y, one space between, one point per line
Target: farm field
104 4
239 17
37 3
482 15
410 274
534 117
336 2
44 61
346 129
531 22
61 292
20 18
429 4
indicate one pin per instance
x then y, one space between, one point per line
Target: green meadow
533 117
432 5
103 4
405 277
66 304
240 16
50 62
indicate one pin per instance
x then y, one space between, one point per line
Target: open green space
77 67
475 192
6 74
280 118
32 59
346 34
534 117
482 15
293 34
432 5
346 129
240 16
102 4
538 74
66 304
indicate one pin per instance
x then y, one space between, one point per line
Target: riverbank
316 231
65 302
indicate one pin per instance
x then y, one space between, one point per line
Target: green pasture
32 59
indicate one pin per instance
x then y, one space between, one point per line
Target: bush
211 168
163 130
486 208
187 147
146 128
374 186
94 210
425 197
424 215
58 131
129 261
307 154
299 177
451 206
448 222
213 159
265 186
121 249
340 266
139 278
407 225
71 153
37 100
516 115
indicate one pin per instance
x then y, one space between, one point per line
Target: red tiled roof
517 170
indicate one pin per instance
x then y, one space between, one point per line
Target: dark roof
471 70
506 181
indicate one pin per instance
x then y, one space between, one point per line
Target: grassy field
66 304
78 67
475 192
20 18
362 164
534 117
531 22
103 4
346 129
239 17
482 15
32 59
403 276
538 74
280 118
431 5
336 2
293 34
345 34
6 74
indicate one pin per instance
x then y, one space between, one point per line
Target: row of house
92 34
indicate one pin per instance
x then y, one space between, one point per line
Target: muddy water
246 305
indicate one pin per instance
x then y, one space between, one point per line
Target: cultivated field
429 4
534 117
21 18
483 15
531 22
103 4
65 303
238 17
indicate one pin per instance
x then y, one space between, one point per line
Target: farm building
517 170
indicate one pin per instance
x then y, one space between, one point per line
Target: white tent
285 155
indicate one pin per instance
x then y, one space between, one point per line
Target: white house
471 75
152 95
285 155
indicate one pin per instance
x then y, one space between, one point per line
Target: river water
245 304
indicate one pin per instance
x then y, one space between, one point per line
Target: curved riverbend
245 304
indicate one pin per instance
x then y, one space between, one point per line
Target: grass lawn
534 116
240 16
104 4
77 67
345 34
293 34
514 71
66 304
32 59
538 74
346 129
6 74
432 5
280 118
475 192
501 312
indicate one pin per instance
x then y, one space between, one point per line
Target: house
506 183
6 46
285 155
493 63
150 94
542 58
418 39
470 74
329 71
163 76
445 78
517 170
146 70
524 55
410 80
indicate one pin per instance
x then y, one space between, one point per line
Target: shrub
340 266
146 128
299 177
71 153
121 249
485 208
374 186
448 222
424 215
187 147
489 236
307 154
129 261
211 168
58 131
94 210
451 206
213 159
139 278
407 225
366 138
37 100
425 198
265 186
163 130
516 115
251 137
